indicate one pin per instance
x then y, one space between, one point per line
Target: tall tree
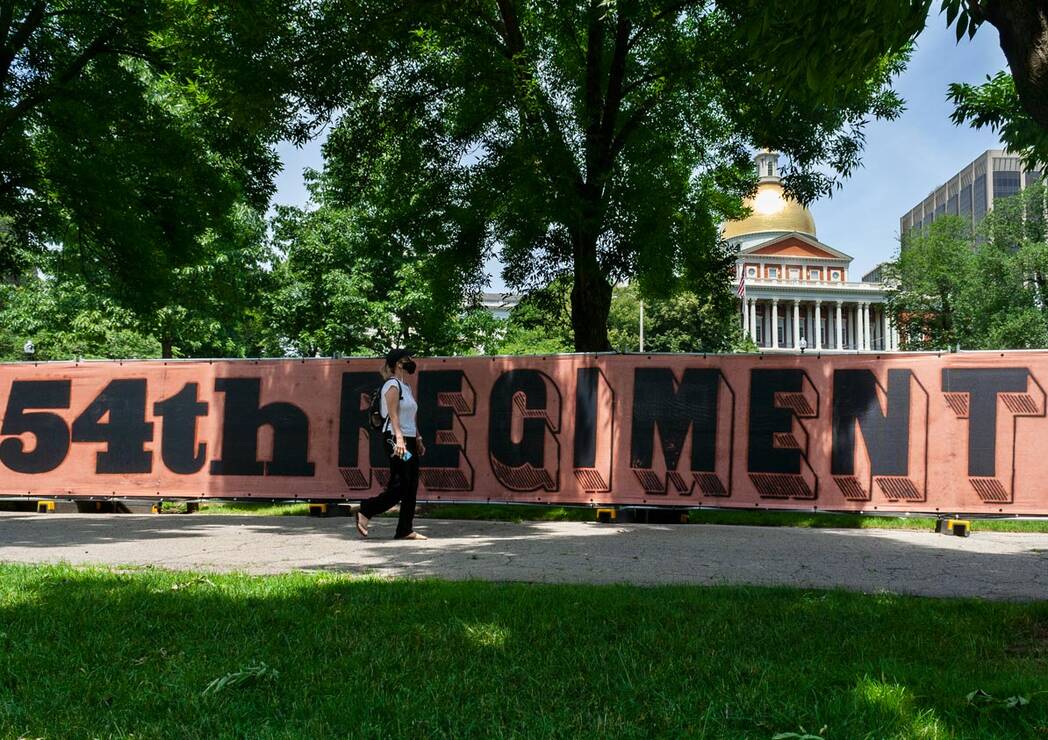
358 282
601 139
931 286
212 308
695 320
128 128
951 288
1016 104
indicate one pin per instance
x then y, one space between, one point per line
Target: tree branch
672 10
614 96
96 48
21 37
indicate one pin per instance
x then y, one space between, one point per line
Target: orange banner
958 433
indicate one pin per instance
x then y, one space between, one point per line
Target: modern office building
795 291
996 173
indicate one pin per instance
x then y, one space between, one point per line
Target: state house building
799 291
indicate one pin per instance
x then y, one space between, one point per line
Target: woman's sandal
413 536
360 527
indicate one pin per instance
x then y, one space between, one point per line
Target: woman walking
403 445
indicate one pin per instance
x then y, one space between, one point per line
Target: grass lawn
522 513
94 653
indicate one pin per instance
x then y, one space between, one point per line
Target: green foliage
603 141
1012 104
977 291
996 105
128 129
212 308
66 320
689 321
357 282
445 659
540 324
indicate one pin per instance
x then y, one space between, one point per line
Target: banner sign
957 433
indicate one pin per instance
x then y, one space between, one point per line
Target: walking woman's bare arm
393 406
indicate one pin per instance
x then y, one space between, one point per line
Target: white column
796 324
887 330
774 323
818 325
753 319
860 326
745 316
837 327
867 317
866 343
853 326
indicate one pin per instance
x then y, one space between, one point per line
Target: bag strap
400 397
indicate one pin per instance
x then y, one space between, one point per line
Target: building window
773 272
1005 184
1032 177
836 274
964 208
795 274
814 275
979 206
951 205
751 271
782 331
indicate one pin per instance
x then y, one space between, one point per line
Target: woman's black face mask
409 367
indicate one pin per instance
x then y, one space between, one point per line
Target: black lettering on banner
973 394
443 397
659 402
242 418
50 430
885 435
354 428
124 434
178 444
520 401
594 430
777 458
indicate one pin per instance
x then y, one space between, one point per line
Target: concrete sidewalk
987 564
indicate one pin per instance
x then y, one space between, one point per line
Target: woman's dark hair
396 355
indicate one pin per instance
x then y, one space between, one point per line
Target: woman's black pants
402 488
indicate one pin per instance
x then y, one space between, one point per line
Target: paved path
987 564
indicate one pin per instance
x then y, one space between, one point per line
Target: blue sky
904 159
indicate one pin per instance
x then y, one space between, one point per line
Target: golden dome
771 211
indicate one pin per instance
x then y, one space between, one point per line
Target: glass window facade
1006 184
951 205
964 205
979 193
940 210
1032 177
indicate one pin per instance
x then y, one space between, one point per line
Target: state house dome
771 210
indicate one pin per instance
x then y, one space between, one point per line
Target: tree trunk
590 299
166 347
1023 28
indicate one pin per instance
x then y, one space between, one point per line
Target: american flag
741 290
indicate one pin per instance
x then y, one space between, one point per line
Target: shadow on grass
93 653
553 552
